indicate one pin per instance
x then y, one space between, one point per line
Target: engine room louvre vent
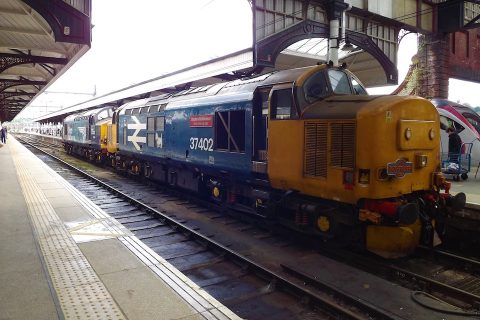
316 149
342 147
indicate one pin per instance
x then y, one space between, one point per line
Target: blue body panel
177 141
77 131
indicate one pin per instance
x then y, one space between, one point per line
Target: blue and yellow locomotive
307 148
85 133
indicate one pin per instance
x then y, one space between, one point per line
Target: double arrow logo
137 126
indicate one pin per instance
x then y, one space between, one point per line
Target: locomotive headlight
408 133
421 160
431 134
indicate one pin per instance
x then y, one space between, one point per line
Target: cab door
285 139
260 130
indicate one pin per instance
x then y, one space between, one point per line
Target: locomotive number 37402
205 144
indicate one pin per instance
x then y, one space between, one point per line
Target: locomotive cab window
230 131
358 88
316 88
339 81
281 104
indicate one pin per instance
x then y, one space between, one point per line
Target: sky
133 41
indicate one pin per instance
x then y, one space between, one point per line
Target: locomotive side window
282 105
151 132
230 131
339 82
160 121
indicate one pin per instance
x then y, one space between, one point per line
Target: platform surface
471 186
52 266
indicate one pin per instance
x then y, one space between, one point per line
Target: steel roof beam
473 23
8 95
8 83
8 60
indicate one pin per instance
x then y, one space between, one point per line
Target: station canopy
39 41
236 65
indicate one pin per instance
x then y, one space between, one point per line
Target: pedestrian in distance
3 135
454 145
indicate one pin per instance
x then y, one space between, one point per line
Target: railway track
402 272
251 290
447 276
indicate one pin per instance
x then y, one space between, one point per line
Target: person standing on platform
3 135
454 145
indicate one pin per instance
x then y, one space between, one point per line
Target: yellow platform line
80 292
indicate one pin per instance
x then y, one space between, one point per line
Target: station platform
62 257
471 187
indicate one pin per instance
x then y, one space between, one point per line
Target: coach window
230 131
446 123
281 104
